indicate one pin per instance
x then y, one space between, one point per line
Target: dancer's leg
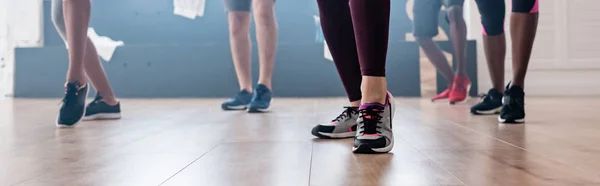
338 30
425 27
523 30
241 51
266 36
371 20
492 18
77 15
458 36
106 106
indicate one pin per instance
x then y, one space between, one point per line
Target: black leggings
356 32
493 11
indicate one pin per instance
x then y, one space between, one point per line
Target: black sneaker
491 103
99 110
344 126
72 107
513 105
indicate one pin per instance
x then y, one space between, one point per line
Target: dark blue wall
170 56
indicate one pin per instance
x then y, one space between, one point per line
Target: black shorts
426 14
238 5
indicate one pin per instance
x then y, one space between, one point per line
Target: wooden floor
192 142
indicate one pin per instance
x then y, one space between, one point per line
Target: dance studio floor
192 142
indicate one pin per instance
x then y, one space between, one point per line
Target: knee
264 14
239 23
454 13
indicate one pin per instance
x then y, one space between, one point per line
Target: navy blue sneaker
100 110
238 102
260 100
72 107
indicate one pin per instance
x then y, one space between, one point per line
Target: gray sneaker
344 126
374 133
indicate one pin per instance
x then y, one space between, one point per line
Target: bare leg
355 103
495 53
523 28
371 27
241 49
95 72
266 36
458 36
77 18
437 58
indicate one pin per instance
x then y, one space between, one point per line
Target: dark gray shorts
426 14
238 5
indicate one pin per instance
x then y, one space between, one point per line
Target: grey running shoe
374 133
344 126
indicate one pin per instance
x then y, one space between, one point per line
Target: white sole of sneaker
103 116
241 107
258 110
76 123
489 112
339 135
515 121
386 149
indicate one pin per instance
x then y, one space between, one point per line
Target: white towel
327 53
105 46
189 8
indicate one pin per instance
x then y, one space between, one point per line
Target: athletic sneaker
100 110
344 126
513 105
374 133
489 104
260 100
72 107
238 102
460 89
444 95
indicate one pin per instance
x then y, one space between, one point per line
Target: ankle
111 102
375 98
265 83
355 103
248 89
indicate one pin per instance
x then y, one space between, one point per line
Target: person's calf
266 36
523 29
436 56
